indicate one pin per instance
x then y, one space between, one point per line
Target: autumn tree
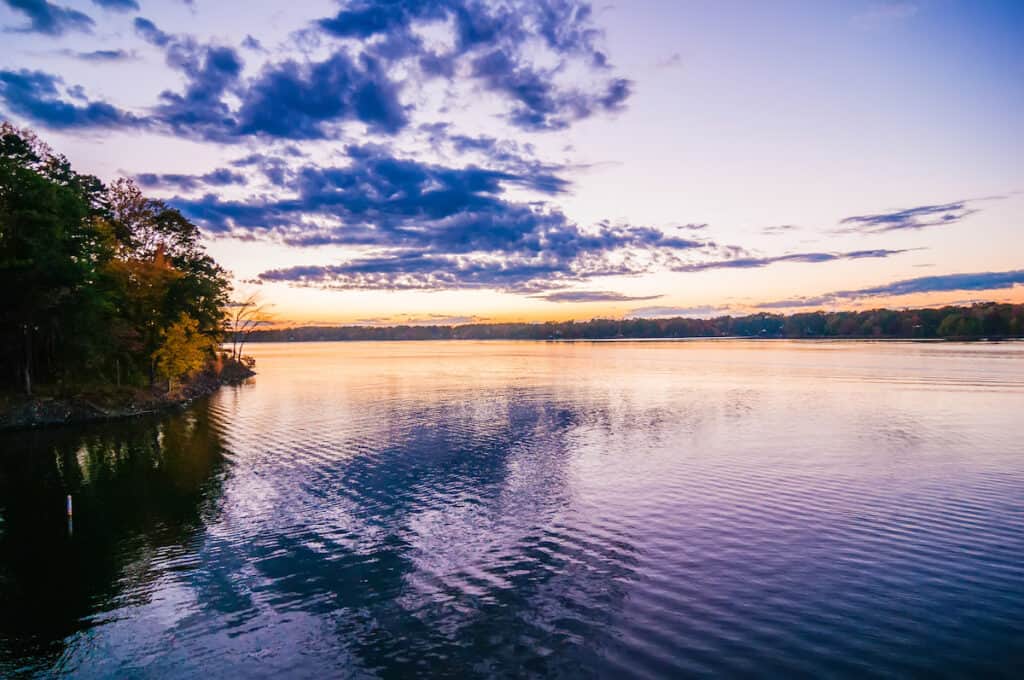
183 350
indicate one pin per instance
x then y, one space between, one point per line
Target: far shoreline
728 338
979 321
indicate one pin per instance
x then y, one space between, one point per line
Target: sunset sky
445 161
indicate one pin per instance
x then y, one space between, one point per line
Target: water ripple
535 509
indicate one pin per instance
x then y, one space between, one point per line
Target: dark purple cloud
216 178
293 100
50 19
421 271
492 39
285 100
381 200
118 5
37 96
909 218
756 262
922 284
429 225
150 33
100 55
302 99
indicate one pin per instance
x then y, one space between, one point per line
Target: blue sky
409 161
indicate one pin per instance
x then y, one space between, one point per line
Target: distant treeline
987 320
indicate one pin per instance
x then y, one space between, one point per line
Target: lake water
616 509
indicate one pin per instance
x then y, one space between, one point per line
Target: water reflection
441 549
141 488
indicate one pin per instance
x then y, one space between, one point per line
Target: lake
609 509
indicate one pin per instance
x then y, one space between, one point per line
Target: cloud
428 226
286 100
100 55
923 284
538 103
908 218
50 19
499 48
779 229
118 5
251 43
380 199
432 227
700 311
508 155
211 72
425 225
150 33
274 169
36 95
217 178
592 296
290 100
496 45
497 42
416 271
756 262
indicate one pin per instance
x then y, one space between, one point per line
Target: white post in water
69 505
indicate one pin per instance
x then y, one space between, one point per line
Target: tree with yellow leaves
183 350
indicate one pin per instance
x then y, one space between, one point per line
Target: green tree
52 242
94 276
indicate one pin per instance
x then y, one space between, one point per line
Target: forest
102 285
983 320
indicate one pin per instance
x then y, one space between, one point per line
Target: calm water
481 509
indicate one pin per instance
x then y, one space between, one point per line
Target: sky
452 161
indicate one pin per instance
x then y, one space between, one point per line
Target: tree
243 318
52 241
183 350
94 276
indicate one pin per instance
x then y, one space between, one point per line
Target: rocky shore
19 412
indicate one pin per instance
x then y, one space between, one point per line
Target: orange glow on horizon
586 312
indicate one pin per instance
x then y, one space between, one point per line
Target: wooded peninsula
109 295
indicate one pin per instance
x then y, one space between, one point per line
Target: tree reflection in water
140 486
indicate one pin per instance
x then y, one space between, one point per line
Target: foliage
183 350
99 277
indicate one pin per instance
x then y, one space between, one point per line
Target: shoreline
21 413
865 338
